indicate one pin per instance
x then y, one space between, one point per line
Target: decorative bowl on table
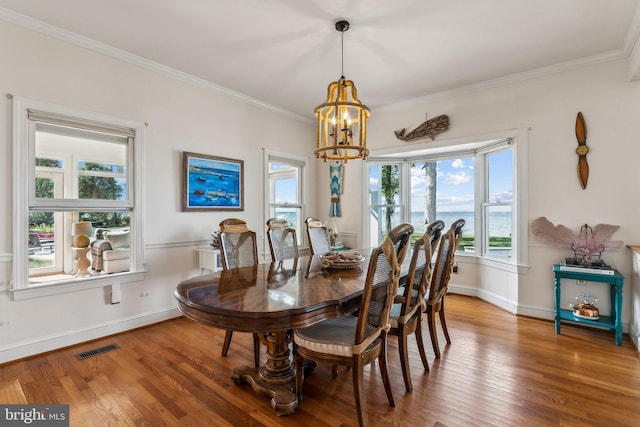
342 260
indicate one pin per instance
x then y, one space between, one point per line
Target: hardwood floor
500 370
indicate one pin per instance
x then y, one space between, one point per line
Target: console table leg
618 314
557 304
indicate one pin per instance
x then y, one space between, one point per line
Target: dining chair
238 248
357 341
318 234
434 230
434 302
457 226
283 242
406 313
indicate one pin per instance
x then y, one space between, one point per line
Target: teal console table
612 322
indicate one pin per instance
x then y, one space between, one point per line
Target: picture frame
212 183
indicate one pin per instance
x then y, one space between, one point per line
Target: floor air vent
97 351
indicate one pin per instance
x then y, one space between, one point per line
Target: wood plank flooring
500 370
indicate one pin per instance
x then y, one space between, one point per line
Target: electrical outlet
580 282
455 268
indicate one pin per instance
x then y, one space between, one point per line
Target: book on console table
580 268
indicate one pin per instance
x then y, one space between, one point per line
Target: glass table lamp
80 232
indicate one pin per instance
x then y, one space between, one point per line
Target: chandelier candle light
342 119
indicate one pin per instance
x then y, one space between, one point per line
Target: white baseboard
489 297
537 312
634 334
71 337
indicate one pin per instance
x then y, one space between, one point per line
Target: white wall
547 106
185 117
181 117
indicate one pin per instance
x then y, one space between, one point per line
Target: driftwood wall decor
430 128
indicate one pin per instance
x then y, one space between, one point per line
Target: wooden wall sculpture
429 128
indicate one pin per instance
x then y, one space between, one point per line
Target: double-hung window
285 189
73 167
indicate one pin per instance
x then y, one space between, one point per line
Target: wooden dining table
272 300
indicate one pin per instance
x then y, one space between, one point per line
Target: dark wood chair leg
444 323
227 342
384 371
404 357
358 391
431 316
420 343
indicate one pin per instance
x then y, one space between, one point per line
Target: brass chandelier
342 119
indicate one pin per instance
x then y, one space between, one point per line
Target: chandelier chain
342 49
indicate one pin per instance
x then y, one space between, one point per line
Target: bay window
477 181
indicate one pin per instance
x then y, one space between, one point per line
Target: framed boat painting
212 183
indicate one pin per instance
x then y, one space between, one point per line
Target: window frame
24 198
477 146
486 204
402 193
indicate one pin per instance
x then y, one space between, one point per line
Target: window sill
504 264
75 284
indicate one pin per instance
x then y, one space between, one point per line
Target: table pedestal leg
277 378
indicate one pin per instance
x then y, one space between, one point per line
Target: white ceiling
284 53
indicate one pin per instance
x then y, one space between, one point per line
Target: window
385 207
473 180
497 203
70 167
284 190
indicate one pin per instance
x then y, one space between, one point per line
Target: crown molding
124 56
513 78
633 32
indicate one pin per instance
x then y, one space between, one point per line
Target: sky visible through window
455 183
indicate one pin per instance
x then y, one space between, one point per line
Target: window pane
382 220
100 186
45 188
290 214
285 190
500 167
384 184
499 231
106 219
49 163
51 253
100 161
423 195
41 241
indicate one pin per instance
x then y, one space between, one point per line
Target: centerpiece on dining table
342 260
